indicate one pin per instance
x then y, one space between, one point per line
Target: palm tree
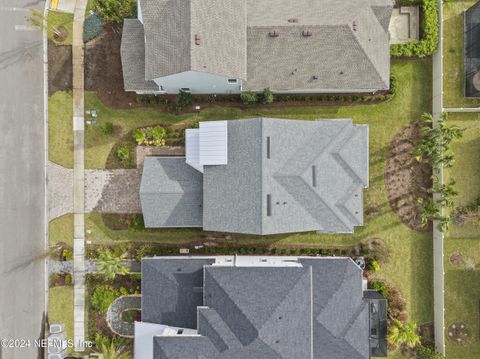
404 333
110 349
109 264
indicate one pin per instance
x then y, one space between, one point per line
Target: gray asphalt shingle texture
132 52
348 48
171 193
335 152
313 311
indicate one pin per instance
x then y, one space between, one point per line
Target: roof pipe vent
306 33
273 33
197 39
354 25
293 20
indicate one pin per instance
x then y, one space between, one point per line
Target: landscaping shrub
124 153
428 44
267 96
373 265
107 128
92 27
150 136
423 352
102 297
68 279
67 254
184 99
115 10
380 287
152 100
249 97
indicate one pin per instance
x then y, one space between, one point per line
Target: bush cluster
102 297
92 27
249 97
152 100
184 99
115 10
428 44
150 136
124 153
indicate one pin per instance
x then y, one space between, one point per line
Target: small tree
404 333
184 99
115 10
110 265
39 20
249 97
267 96
111 348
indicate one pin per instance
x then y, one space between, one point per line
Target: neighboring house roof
133 57
313 180
171 193
198 35
172 290
347 46
314 310
263 42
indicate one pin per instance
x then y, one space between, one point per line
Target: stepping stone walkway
114 315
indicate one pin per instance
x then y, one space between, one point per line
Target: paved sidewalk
78 177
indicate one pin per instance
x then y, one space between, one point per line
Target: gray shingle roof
335 152
172 289
313 311
171 193
173 27
133 57
348 47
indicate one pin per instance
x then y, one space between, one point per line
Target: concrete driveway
21 181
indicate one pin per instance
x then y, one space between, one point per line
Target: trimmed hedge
428 44
92 27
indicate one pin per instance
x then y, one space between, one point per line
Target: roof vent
315 77
354 26
197 39
273 33
293 20
306 33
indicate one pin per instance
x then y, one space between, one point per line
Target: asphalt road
21 180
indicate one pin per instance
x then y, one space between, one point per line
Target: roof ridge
360 43
234 304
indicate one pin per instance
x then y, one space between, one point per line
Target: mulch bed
407 179
103 69
59 67
103 74
458 332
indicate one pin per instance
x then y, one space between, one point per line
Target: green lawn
61 230
453 55
56 19
462 286
60 308
60 129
